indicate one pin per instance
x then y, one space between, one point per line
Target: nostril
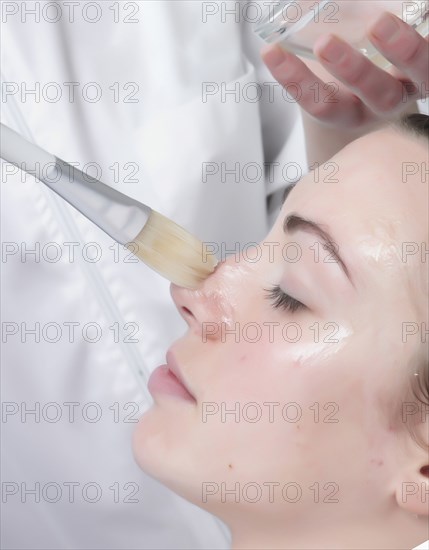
187 311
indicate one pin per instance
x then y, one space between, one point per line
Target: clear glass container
296 24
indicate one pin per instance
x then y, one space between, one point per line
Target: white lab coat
167 135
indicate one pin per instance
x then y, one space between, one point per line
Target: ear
412 488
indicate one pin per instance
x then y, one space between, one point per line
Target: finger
381 92
324 101
404 47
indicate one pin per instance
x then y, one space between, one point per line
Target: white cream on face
357 363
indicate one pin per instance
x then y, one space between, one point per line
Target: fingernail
386 29
273 56
332 50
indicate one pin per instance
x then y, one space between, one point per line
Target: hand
362 95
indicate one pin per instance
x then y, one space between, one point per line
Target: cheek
278 362
258 401
305 403
251 368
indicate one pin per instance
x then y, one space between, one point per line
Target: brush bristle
173 252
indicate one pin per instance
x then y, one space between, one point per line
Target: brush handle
118 215
22 153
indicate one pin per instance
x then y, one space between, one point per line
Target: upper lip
175 369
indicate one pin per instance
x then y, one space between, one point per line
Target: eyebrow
294 222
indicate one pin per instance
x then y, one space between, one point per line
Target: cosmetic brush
156 240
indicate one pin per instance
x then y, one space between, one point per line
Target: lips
168 380
175 369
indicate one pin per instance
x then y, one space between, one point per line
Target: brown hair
416 123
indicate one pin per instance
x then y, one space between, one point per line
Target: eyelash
282 300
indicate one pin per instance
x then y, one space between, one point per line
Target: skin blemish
425 471
230 466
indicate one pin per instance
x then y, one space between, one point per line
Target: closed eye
282 300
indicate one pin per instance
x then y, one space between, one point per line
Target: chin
146 444
161 461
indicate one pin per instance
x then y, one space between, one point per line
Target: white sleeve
281 122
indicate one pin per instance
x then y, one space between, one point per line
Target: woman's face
297 401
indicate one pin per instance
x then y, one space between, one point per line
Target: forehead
373 198
379 182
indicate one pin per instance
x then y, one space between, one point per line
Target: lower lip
162 380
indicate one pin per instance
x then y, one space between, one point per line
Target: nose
210 303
